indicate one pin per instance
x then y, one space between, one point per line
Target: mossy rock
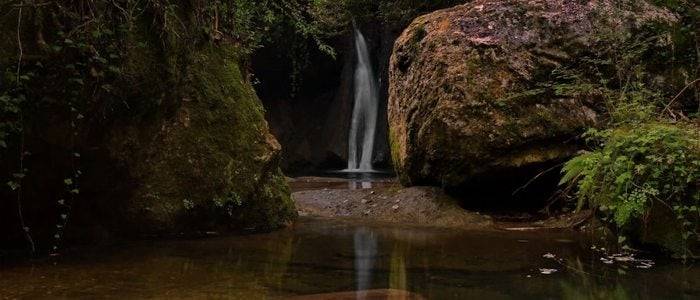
466 107
664 230
178 145
212 163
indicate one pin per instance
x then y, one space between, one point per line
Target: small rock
367 212
364 201
395 207
549 255
371 193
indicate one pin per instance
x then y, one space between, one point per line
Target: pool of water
319 256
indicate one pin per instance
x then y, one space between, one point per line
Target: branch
667 107
19 42
535 178
33 5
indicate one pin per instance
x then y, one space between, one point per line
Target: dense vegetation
642 170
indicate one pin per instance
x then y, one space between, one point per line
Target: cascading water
364 112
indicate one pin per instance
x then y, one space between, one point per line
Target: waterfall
364 112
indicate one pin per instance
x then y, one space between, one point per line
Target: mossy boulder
132 131
473 102
213 160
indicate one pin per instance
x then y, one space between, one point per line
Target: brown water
324 256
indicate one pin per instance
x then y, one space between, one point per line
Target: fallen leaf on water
548 271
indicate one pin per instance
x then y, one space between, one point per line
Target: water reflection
357 185
365 243
334 260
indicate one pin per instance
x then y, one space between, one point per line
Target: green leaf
621 239
13 185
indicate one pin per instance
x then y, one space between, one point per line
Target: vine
77 63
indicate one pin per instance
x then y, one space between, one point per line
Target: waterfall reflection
365 252
356 185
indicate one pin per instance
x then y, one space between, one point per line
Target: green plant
636 170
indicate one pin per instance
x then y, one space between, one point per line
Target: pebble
395 207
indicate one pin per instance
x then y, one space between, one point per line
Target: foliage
638 169
335 16
645 158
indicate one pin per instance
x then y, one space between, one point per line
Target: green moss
396 149
215 151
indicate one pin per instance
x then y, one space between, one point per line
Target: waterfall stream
364 113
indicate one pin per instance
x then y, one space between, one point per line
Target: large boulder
213 162
155 138
469 108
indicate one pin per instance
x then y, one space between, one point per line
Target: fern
635 167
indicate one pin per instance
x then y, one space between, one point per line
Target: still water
319 256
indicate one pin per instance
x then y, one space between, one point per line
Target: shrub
634 168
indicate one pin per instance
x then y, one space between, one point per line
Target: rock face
186 148
213 163
467 110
